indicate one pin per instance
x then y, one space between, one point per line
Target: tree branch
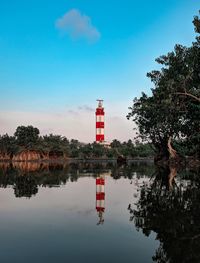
189 95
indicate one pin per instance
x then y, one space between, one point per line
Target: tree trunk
172 152
173 172
162 153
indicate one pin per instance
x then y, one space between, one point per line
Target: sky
58 57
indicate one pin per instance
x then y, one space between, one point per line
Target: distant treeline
28 139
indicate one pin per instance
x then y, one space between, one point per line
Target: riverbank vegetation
27 145
169 118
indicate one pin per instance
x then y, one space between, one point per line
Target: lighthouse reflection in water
100 198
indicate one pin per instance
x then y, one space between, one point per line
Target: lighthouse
100 122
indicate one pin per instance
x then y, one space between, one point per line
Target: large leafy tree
173 109
27 136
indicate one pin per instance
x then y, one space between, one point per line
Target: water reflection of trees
132 169
25 186
27 177
170 208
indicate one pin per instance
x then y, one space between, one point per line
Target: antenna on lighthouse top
100 103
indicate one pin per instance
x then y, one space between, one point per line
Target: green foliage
98 150
8 144
172 110
131 150
54 146
55 143
27 136
196 23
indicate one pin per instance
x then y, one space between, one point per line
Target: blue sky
58 57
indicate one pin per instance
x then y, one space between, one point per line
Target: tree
156 121
27 136
98 150
8 145
74 148
115 144
166 114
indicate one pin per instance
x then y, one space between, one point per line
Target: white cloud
86 108
77 25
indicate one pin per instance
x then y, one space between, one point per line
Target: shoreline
188 162
77 160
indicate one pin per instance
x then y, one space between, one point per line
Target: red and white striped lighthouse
100 122
100 197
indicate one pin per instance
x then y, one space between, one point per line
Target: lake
99 212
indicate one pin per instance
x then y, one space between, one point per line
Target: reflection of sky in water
58 224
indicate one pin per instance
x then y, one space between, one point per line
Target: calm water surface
51 213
